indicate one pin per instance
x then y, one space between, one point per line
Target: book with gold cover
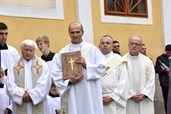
69 67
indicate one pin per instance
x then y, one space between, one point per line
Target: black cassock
49 57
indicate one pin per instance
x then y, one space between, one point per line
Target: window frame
127 10
126 19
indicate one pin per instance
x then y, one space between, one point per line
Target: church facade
29 19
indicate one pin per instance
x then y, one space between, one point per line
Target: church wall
21 28
151 34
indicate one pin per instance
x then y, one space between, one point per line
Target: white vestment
84 97
38 93
53 103
8 57
115 84
5 101
142 81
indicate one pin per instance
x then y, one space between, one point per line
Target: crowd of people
110 83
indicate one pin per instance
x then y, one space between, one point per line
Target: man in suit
169 95
163 63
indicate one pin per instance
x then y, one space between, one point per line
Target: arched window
130 8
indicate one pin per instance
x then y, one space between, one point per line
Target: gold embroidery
37 66
71 62
18 67
36 63
63 111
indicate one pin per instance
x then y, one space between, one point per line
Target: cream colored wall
30 28
151 34
23 28
32 3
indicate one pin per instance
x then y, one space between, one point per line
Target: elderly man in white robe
115 81
8 54
81 94
142 79
29 82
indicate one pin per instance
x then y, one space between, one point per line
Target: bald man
142 79
82 93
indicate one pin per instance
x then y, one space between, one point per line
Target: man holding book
81 92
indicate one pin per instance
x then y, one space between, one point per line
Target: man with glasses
141 74
143 49
8 54
116 47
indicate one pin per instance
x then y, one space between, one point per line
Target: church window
129 8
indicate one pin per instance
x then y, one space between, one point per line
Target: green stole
20 81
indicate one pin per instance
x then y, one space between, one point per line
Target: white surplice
115 84
53 103
85 97
5 101
142 80
37 93
8 57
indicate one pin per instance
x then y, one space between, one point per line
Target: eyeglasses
3 33
116 46
136 44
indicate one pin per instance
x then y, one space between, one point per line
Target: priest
82 93
28 82
142 79
115 81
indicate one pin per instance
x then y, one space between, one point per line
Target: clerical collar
1 85
107 55
27 61
75 47
75 44
134 56
49 57
5 47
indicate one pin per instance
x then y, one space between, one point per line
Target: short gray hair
28 42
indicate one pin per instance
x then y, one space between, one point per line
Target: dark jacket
163 76
169 95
